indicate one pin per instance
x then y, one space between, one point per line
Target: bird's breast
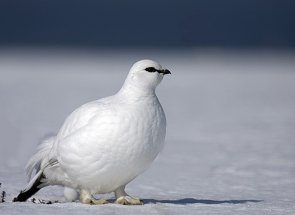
141 134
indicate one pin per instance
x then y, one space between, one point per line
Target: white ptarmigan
105 144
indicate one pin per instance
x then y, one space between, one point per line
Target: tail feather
33 187
39 161
38 158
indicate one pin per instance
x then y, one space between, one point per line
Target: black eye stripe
161 71
151 69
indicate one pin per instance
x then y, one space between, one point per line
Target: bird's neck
136 91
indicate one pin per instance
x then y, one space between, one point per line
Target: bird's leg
124 199
87 198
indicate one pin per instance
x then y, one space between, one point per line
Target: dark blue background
130 23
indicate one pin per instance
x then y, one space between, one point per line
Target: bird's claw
127 200
98 202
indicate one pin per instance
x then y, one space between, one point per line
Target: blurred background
229 101
153 24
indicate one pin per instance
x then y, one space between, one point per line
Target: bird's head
147 74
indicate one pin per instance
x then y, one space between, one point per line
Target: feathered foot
86 198
127 200
124 199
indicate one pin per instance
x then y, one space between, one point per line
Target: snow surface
230 141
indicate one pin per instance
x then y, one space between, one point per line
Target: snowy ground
230 141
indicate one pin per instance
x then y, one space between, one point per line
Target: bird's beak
164 71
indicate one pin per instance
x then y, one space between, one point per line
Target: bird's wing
82 115
88 142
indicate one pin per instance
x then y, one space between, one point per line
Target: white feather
39 157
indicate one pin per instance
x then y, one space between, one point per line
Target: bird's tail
33 187
39 161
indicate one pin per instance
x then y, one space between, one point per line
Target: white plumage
105 144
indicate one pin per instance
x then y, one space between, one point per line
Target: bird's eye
150 69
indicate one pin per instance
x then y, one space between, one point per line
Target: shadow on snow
186 201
